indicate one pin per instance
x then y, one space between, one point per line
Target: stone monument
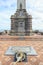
21 21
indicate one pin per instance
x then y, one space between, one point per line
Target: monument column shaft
22 3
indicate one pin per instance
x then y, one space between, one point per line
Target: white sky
34 7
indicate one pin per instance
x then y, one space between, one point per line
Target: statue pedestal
21 23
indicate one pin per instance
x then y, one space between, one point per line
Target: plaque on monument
26 49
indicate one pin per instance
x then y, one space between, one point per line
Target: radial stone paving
32 60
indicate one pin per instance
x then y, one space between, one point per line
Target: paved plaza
32 60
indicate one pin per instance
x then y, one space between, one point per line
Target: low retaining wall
27 38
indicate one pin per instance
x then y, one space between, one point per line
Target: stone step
21 38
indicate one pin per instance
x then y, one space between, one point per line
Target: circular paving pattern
32 60
41 63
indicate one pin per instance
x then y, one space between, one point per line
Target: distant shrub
41 33
0 33
36 31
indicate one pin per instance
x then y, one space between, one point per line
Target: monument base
20 34
21 23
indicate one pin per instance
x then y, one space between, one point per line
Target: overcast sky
34 7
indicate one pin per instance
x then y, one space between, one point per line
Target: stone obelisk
21 3
21 21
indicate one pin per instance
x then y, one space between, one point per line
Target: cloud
7 8
34 7
7 3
